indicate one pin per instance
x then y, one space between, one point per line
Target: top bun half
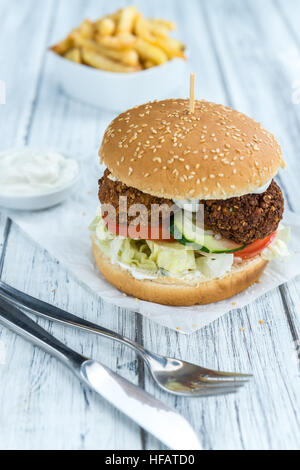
162 149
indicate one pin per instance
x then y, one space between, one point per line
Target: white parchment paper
63 231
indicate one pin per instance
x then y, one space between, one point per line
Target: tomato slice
157 233
255 248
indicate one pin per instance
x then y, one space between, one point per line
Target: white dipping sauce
30 172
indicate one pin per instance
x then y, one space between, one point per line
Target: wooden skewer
192 93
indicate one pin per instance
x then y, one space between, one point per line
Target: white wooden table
247 55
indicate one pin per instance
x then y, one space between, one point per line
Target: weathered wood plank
289 11
21 58
3 230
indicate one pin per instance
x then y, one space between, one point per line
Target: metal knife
152 415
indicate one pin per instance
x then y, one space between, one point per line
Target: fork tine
212 392
220 374
215 385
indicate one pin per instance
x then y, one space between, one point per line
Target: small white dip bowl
39 202
44 199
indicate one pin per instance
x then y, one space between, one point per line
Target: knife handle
31 305
20 323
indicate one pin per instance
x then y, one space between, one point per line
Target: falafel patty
242 219
110 192
247 218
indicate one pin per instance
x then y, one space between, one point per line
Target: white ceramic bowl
38 202
118 91
42 200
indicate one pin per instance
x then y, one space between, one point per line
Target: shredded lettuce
172 257
215 267
137 254
158 257
278 248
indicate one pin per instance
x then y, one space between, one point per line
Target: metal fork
172 375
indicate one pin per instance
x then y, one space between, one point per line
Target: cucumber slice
213 245
186 232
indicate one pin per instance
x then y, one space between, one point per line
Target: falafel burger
189 210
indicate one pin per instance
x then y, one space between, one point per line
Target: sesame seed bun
162 149
177 292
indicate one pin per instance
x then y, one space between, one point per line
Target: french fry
86 29
103 63
125 56
141 29
106 27
126 20
148 64
147 51
62 47
169 25
157 29
172 47
123 41
74 55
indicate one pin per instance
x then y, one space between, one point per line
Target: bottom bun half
179 292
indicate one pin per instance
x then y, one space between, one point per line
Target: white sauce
30 172
192 205
139 275
189 205
262 189
112 178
